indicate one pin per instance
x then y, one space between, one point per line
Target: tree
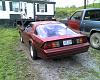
73 6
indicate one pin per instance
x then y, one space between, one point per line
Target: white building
26 10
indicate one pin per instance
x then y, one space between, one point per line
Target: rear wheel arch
30 42
94 31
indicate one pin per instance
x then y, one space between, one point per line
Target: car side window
76 15
87 16
92 15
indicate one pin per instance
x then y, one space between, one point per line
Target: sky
68 3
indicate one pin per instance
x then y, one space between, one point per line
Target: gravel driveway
77 67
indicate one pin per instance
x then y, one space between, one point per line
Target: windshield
49 30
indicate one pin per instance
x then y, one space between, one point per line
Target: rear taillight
65 42
81 40
50 45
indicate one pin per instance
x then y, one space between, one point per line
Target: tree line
67 11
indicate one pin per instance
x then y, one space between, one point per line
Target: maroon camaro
49 39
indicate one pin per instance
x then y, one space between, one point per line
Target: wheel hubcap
95 41
31 51
21 39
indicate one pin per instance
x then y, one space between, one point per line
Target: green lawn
12 62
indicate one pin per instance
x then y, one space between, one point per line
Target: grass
12 62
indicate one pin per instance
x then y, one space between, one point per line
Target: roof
33 1
44 22
90 9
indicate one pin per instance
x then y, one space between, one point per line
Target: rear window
49 30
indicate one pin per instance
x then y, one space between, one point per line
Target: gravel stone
77 67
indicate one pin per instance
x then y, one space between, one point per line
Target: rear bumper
66 50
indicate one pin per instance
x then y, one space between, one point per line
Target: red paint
74 24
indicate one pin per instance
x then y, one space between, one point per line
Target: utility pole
84 4
87 3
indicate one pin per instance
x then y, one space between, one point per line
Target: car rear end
65 47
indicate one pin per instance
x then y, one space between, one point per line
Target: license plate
67 42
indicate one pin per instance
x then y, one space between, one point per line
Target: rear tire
95 40
33 52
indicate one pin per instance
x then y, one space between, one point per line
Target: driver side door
74 20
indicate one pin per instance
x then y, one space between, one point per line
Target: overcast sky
65 3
